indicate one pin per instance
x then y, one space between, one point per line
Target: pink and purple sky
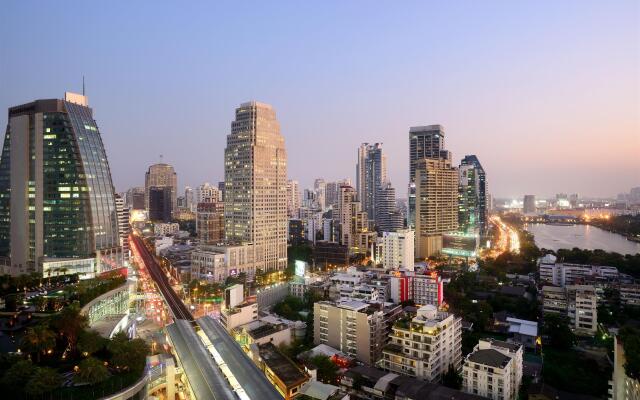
545 93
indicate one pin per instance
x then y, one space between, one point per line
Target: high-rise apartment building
123 228
159 176
159 203
397 249
208 193
352 222
189 198
529 204
210 222
255 204
320 188
57 201
424 142
356 328
293 198
473 212
493 370
426 346
371 174
388 218
134 198
436 204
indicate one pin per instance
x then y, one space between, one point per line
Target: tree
90 342
452 378
38 340
70 323
92 371
128 355
43 381
631 343
556 327
327 370
19 374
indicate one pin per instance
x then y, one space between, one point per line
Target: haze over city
546 94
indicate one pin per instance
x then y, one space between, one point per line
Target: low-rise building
623 386
283 373
493 370
523 331
578 302
241 314
165 228
425 346
630 294
260 332
563 274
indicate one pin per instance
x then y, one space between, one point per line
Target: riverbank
582 236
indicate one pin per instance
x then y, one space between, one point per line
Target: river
556 237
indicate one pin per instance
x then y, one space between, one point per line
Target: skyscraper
371 173
388 219
472 213
529 204
424 142
135 198
57 202
208 193
210 222
160 207
352 222
123 227
436 204
320 187
293 198
190 203
162 175
255 207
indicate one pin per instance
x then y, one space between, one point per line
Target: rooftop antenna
83 85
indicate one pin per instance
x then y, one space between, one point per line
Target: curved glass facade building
57 203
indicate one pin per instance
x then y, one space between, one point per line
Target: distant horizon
545 94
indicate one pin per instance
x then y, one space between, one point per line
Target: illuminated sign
460 244
300 268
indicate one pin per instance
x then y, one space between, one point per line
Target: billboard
460 244
300 268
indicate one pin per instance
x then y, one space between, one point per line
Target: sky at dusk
546 94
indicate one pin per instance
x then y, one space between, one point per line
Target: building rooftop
522 326
265 330
489 357
503 344
286 370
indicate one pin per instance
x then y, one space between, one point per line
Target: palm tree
39 340
91 370
69 323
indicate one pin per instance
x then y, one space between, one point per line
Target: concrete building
330 254
208 193
396 249
388 218
353 223
294 202
284 374
159 203
189 199
436 204
57 202
425 346
124 229
210 222
523 331
161 176
629 294
371 174
164 228
134 198
493 370
424 142
207 264
529 204
563 274
578 302
623 386
354 327
256 186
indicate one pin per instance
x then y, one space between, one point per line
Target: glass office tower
57 203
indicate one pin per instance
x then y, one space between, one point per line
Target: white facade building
426 346
493 370
578 302
397 250
563 274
